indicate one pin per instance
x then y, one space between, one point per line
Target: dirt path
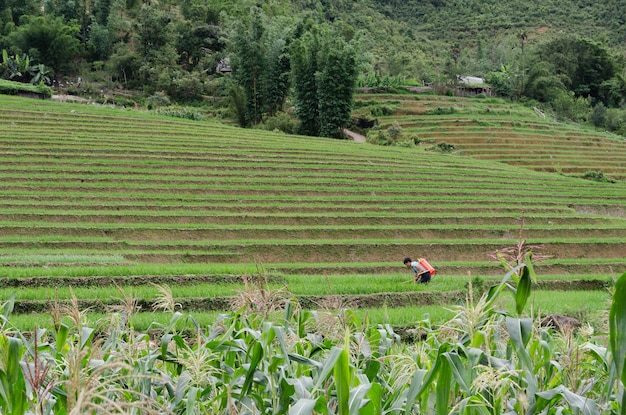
355 136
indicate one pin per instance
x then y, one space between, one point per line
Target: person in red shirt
422 276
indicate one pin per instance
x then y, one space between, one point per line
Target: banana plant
39 74
15 67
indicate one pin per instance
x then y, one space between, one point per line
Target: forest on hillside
566 56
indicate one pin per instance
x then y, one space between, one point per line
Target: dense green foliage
323 76
564 54
324 68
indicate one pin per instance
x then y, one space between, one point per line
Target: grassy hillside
127 198
480 19
495 129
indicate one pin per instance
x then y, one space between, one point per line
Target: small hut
472 85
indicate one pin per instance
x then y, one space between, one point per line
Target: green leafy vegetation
257 63
363 365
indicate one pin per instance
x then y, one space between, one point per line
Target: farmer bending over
422 276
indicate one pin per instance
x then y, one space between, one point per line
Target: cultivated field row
268 251
80 185
282 231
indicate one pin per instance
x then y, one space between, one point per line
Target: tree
196 41
101 11
304 61
77 11
261 64
336 80
324 75
523 37
583 65
502 81
277 78
248 63
48 40
543 84
200 34
100 45
16 9
124 64
613 91
155 36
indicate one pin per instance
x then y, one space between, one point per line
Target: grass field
95 197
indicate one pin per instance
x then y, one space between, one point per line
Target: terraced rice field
492 129
95 197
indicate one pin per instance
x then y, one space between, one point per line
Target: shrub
598 115
381 110
566 105
442 111
158 99
378 137
280 122
391 137
188 113
445 147
411 141
615 121
395 131
597 176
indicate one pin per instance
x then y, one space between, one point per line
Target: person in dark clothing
422 276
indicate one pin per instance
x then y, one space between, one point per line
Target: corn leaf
422 380
86 335
459 371
342 383
305 361
444 385
494 291
301 386
583 405
255 357
328 366
519 330
12 384
192 396
416 388
280 335
303 407
523 291
7 306
617 327
358 398
474 405
61 338
374 404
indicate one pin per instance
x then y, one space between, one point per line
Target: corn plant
483 361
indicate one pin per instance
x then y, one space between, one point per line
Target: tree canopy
305 56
